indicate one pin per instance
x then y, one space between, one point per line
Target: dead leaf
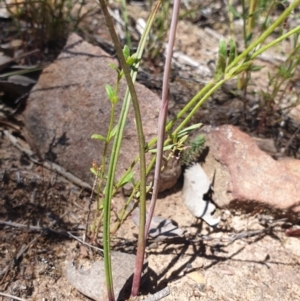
4 61
21 80
198 277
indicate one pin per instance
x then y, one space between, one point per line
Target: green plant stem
20 72
124 214
103 163
251 18
110 127
244 23
125 18
189 106
231 19
213 87
276 41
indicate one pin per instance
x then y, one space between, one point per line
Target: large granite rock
69 104
245 176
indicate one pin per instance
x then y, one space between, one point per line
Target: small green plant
279 86
192 152
45 21
256 17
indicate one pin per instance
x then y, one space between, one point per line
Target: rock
294 115
244 176
91 282
292 165
69 104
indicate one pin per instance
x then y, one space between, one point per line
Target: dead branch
12 297
159 295
49 165
47 230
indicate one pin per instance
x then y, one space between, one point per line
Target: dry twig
12 297
159 295
17 257
47 230
49 165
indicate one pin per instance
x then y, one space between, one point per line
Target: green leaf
113 132
295 39
113 66
127 179
234 12
115 99
239 69
149 188
110 91
98 137
187 130
256 12
182 139
267 22
95 172
248 38
126 52
154 150
131 60
221 63
254 68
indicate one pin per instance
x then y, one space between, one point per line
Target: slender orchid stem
163 112
142 239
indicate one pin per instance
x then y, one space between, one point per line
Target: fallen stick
16 258
12 297
49 165
47 229
159 295
247 234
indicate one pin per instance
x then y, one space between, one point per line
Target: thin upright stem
114 158
163 112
